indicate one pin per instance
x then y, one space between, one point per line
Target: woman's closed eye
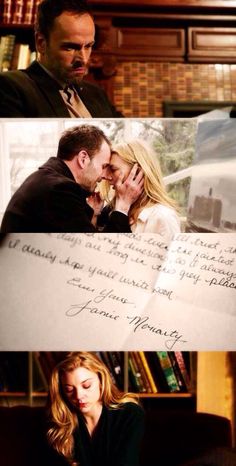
68 390
113 169
86 385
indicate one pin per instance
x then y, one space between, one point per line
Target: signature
143 323
87 306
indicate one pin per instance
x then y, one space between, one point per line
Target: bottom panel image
117 292
112 408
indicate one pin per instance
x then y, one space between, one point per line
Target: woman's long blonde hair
137 151
62 416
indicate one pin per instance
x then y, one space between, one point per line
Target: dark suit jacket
50 200
33 93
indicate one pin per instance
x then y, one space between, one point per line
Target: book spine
7 52
1 11
29 12
17 15
36 4
145 380
183 369
15 57
148 372
117 369
134 382
168 371
24 57
33 57
2 48
7 11
157 371
177 372
137 373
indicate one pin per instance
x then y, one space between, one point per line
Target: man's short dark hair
84 137
48 10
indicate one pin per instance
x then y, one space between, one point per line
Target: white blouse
157 219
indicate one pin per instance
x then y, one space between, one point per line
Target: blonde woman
154 211
91 421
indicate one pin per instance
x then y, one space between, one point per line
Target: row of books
18 11
159 372
14 56
149 372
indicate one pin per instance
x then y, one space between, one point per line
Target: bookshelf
19 393
18 12
17 47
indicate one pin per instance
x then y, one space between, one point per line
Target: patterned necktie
69 93
74 103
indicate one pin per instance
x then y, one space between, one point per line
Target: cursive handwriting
78 283
49 255
76 309
72 240
163 292
193 276
71 263
135 283
221 282
109 294
111 274
142 323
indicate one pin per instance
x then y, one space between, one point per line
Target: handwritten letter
117 291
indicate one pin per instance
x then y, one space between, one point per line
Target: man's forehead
70 17
73 28
104 154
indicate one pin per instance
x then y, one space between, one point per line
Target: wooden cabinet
170 30
158 3
212 44
150 44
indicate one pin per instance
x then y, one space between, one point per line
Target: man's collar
61 84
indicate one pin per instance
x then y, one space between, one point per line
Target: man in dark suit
53 86
54 198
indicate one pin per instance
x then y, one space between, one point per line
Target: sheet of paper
117 292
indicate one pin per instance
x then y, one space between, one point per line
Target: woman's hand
128 190
95 201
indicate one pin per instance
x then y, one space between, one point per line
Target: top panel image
116 59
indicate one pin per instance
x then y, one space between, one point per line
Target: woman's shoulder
128 415
161 209
159 212
133 411
129 409
160 219
132 407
